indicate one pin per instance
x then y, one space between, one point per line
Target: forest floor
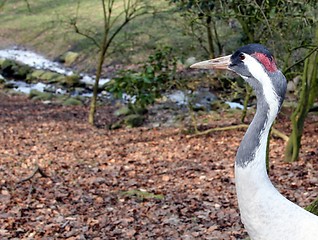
61 178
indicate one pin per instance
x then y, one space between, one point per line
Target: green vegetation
313 207
146 85
141 195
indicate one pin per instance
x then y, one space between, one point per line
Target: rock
140 110
50 77
203 99
47 102
72 102
8 85
2 79
14 69
133 120
20 71
198 107
1 61
291 86
37 95
69 58
45 76
35 75
116 125
216 105
78 91
123 111
72 81
7 67
190 61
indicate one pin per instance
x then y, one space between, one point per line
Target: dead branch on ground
274 131
36 170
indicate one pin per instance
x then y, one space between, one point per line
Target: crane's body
265 213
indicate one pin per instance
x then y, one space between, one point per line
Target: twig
301 60
36 170
274 131
280 134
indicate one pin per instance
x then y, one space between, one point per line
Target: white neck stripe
258 72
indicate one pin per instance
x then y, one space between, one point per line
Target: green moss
69 58
1 61
123 111
50 77
141 195
72 81
133 120
7 64
37 95
72 102
35 75
21 71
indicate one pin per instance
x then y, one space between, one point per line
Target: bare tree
112 25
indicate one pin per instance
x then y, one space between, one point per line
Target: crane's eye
242 56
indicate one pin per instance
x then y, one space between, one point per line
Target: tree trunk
307 95
217 39
210 36
92 110
103 49
249 91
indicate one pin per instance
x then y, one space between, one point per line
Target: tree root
274 131
36 170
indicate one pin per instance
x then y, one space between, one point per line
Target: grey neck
263 118
251 139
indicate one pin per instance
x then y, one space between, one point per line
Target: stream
37 61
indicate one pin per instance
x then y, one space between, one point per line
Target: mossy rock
133 120
37 95
140 110
20 71
198 108
141 195
72 81
69 58
14 69
72 102
116 125
218 105
7 63
7 67
2 80
8 85
35 75
123 111
50 77
59 79
1 62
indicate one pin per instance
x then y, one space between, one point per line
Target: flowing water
37 61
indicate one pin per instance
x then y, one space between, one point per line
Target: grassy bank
44 27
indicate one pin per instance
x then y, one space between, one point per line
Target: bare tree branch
274 131
36 170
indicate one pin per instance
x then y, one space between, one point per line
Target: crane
265 213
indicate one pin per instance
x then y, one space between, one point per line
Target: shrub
144 87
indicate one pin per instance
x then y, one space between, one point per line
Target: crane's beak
216 63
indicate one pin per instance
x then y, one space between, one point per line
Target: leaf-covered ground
142 183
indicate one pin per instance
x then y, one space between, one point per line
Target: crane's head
256 65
